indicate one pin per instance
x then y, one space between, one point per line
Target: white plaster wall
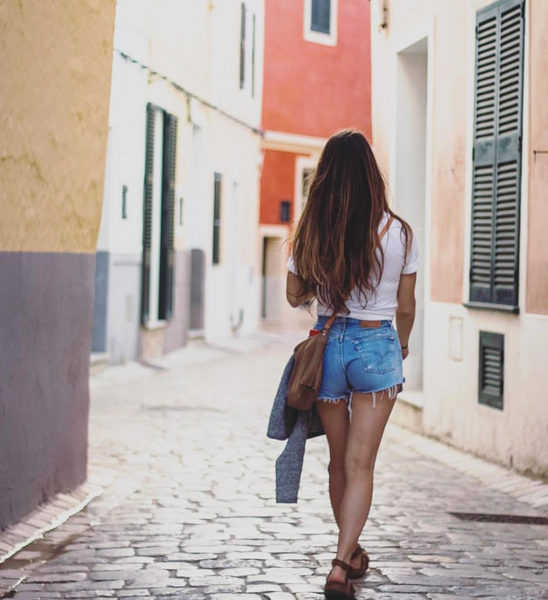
235 152
198 48
516 436
126 144
198 45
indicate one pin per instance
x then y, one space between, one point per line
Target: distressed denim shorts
360 359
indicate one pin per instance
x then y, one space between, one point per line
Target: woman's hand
405 353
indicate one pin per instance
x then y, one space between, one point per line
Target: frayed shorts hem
392 390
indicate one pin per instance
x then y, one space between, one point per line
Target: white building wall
118 279
198 47
184 57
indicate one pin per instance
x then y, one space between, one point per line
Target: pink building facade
317 80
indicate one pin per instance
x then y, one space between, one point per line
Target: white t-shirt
381 303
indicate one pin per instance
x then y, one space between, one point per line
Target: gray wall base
46 311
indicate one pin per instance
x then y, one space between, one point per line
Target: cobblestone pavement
188 511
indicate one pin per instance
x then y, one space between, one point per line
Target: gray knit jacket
295 426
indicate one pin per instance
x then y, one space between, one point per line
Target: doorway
411 181
272 279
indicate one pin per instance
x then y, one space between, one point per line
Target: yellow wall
56 58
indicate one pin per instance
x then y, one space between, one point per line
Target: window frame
248 49
317 37
157 278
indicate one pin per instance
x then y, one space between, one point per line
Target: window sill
155 325
316 37
487 306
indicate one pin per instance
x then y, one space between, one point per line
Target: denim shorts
360 359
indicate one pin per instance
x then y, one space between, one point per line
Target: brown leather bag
306 375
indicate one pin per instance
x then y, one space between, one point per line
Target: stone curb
44 518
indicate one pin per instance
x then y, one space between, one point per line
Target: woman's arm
295 290
405 313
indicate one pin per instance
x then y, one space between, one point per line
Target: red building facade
317 80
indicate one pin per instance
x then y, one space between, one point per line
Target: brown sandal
336 589
359 572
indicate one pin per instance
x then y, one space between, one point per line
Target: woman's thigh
334 417
366 430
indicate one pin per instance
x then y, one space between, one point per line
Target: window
306 180
320 21
320 18
124 202
285 211
491 369
158 213
217 219
496 179
253 42
304 172
248 28
242 45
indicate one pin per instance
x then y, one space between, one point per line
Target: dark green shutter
321 16
242 46
216 258
253 42
494 263
147 211
167 249
491 369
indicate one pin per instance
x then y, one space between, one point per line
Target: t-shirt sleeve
412 262
291 264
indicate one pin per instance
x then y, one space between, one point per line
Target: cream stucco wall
53 130
448 406
537 243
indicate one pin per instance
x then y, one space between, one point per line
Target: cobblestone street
188 507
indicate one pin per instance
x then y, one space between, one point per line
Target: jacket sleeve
289 464
282 417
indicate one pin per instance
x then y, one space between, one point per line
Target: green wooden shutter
167 247
494 264
216 254
147 212
321 16
242 46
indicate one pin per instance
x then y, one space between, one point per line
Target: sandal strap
357 552
340 563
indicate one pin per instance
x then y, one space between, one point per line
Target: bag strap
332 318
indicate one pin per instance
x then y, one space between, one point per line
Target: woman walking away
358 259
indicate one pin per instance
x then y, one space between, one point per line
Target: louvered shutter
321 16
242 46
491 369
147 212
216 254
494 265
167 250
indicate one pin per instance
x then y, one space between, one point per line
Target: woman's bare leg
364 437
334 417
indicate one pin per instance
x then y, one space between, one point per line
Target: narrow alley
188 507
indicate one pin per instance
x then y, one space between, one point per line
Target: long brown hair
335 239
